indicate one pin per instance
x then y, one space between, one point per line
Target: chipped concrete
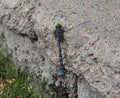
91 48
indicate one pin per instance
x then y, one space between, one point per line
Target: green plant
54 95
6 68
16 82
20 85
39 89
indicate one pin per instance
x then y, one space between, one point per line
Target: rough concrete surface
91 49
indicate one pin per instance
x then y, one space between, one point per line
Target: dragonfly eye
58 26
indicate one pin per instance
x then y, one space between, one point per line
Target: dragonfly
59 36
58 33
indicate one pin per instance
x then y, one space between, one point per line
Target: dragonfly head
58 26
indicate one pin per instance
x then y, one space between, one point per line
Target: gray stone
91 48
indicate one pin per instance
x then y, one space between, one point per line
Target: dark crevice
32 39
23 35
75 86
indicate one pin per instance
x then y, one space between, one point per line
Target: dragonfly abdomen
62 68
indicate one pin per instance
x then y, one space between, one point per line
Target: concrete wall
91 49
